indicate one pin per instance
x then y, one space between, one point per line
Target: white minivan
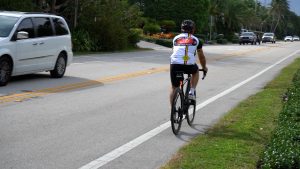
33 42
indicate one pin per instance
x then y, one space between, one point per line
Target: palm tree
279 8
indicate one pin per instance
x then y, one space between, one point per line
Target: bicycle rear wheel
176 111
190 114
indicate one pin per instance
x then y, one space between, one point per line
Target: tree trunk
52 6
76 13
278 19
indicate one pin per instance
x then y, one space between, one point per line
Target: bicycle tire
190 114
177 111
190 105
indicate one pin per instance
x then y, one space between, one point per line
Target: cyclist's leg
194 80
195 76
172 90
174 81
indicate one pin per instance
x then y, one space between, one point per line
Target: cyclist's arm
202 59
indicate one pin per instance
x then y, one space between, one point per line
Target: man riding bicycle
185 47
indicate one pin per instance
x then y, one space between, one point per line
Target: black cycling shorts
187 69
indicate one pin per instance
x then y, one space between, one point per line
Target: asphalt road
112 110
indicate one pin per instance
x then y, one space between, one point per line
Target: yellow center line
43 92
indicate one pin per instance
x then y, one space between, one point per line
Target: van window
60 27
27 26
6 25
43 26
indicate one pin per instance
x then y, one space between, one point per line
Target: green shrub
148 39
81 41
165 42
151 28
222 41
219 36
283 152
135 36
235 40
167 25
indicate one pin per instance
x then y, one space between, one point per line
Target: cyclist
185 47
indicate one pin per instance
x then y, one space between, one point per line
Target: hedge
283 152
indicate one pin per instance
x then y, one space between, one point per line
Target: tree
108 22
9 5
231 15
279 9
176 10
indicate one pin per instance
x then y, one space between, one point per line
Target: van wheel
60 66
5 70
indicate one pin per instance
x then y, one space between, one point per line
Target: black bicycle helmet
187 26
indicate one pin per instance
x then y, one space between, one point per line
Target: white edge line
212 99
101 161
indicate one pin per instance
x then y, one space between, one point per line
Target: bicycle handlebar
204 73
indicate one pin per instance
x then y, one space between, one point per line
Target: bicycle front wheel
176 111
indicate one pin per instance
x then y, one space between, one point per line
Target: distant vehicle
244 30
268 37
288 38
33 42
295 38
247 37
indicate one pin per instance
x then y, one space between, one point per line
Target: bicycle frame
185 83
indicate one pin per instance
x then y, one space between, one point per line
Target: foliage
151 28
235 40
176 10
284 149
9 5
81 41
135 36
163 42
108 22
222 41
167 25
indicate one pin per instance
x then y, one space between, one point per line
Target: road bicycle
181 104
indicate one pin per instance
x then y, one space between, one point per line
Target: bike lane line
114 154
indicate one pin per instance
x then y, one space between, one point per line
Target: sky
294 5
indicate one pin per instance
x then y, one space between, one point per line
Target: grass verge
239 139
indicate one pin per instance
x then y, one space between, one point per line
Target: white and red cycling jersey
184 49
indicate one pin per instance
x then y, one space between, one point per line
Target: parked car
268 37
288 38
295 38
247 37
32 42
